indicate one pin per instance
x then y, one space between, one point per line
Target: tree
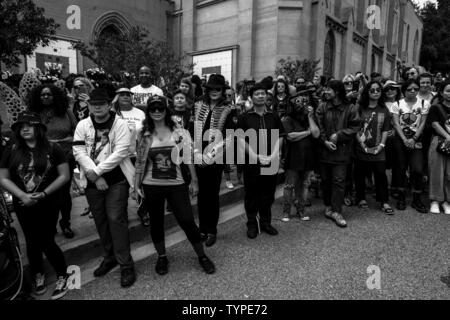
116 53
435 55
293 69
23 27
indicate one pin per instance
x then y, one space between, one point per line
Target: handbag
443 147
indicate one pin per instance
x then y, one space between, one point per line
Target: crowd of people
347 136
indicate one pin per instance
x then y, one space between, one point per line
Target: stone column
246 39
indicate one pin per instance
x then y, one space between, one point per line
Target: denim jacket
182 139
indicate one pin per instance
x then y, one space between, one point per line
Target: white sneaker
446 207
229 185
435 207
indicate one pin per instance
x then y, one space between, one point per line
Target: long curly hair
60 101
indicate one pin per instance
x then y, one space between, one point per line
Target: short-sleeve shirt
141 95
25 176
269 121
410 116
375 122
134 119
443 118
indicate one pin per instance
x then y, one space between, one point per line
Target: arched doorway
110 23
329 55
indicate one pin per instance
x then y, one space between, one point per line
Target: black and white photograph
231 158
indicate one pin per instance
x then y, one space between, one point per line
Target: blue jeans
109 209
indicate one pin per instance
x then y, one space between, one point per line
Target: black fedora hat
99 96
31 118
216 81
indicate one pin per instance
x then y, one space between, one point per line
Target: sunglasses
412 89
155 109
391 89
125 94
79 86
348 83
375 90
46 95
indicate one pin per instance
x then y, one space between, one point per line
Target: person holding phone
300 127
33 170
81 90
351 88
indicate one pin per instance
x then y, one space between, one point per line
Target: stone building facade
256 34
246 38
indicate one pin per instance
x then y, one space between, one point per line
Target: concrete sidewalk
86 246
308 260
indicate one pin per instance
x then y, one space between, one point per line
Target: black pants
65 200
333 185
38 225
209 180
259 197
404 159
362 168
178 199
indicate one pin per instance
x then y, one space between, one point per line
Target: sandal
387 209
363 205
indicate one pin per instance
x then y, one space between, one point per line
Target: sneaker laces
40 280
61 283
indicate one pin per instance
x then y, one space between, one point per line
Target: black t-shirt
436 115
101 140
25 176
375 122
80 110
269 121
300 154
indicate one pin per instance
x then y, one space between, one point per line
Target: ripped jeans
296 190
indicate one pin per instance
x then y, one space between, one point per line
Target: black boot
418 204
401 201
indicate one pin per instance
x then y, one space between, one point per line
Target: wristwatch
382 145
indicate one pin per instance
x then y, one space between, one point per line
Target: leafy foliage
23 27
435 55
117 53
293 69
